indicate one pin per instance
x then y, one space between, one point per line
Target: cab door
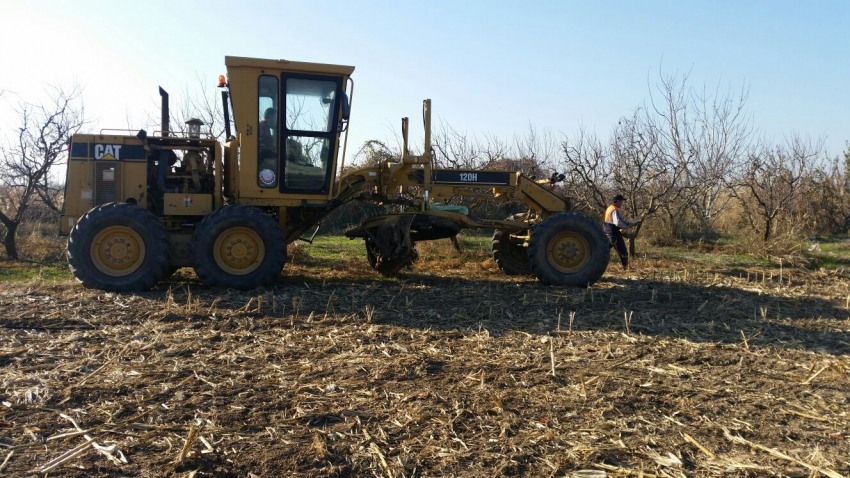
309 131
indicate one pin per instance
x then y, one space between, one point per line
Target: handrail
118 129
158 134
341 162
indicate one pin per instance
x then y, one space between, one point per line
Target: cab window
307 161
268 134
309 104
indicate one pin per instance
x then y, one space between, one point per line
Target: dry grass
451 370
38 242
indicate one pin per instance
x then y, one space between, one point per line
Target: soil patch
662 372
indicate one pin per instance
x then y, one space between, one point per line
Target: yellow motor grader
140 205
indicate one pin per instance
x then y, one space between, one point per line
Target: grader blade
391 238
391 245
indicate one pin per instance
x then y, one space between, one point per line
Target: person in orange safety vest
614 223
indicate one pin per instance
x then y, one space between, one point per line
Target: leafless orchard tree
536 153
458 150
673 157
533 153
644 168
706 133
28 156
203 102
200 101
633 163
372 153
589 167
825 204
771 180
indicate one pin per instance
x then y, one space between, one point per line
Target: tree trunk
768 223
9 240
674 225
632 237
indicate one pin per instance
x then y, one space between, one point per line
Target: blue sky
490 67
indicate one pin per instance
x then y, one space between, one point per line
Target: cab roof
287 65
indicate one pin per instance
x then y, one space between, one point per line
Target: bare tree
634 163
644 169
707 134
674 155
199 101
29 155
531 154
492 151
371 154
589 167
457 150
771 181
824 206
536 153
202 102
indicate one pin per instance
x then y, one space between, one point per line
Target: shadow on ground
724 312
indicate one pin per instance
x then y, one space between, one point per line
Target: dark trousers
615 240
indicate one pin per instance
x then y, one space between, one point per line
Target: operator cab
297 116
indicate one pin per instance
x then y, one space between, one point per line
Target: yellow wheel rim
117 251
239 251
568 252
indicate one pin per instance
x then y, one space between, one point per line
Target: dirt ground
451 370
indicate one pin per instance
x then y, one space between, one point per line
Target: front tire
240 247
568 249
118 247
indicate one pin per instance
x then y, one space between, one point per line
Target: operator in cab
267 127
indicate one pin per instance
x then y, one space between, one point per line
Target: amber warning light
221 81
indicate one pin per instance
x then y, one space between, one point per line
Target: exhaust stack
165 115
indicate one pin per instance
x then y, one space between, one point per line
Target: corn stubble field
672 369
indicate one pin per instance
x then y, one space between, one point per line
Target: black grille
107 182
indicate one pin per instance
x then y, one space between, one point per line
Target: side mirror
346 109
346 112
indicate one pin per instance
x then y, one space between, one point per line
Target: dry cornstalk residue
660 372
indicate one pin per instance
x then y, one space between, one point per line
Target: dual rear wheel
123 248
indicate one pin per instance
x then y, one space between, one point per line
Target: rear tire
240 247
568 249
510 257
118 247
